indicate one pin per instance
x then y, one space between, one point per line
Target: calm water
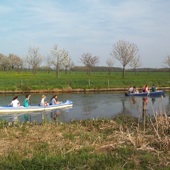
89 106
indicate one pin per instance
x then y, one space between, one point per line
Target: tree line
59 59
56 58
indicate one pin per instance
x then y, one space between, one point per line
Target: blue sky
82 26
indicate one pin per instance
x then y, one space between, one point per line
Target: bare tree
34 58
136 63
124 52
89 61
4 62
67 62
49 63
71 65
167 62
58 57
26 66
15 62
110 63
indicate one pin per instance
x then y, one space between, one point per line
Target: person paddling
15 102
26 101
153 88
43 102
54 100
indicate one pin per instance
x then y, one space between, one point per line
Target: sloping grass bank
78 81
121 143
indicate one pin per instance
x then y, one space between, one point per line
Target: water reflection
124 109
13 119
30 117
144 106
92 106
133 100
55 114
153 100
27 118
168 105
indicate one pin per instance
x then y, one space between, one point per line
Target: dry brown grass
100 136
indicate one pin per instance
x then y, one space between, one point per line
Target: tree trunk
123 75
109 70
89 71
66 70
57 71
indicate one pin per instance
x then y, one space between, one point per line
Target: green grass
120 159
120 143
43 81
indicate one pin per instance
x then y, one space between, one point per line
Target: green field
25 80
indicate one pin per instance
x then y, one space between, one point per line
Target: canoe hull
146 94
67 104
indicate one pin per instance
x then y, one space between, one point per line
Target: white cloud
87 25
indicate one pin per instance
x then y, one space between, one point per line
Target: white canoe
8 109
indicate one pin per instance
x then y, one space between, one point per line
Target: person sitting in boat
43 102
143 88
130 90
54 100
153 88
135 90
15 102
26 101
147 89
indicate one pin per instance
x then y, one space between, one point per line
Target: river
90 106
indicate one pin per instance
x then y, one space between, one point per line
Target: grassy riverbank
26 81
121 143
